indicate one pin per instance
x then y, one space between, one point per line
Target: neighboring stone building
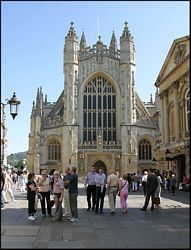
4 139
174 119
99 118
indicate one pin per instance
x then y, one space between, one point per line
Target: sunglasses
56 174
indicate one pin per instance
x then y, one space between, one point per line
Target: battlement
92 51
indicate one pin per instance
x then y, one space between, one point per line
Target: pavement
167 227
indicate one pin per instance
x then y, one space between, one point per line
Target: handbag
157 201
52 201
38 197
36 202
121 188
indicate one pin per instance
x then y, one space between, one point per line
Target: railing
94 147
93 51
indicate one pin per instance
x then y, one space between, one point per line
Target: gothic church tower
98 119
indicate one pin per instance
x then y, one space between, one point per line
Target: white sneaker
31 217
73 219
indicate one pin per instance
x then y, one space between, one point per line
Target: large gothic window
54 150
99 111
187 105
145 150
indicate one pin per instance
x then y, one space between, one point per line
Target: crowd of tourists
61 190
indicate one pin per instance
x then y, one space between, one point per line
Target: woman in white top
144 182
158 191
44 190
8 185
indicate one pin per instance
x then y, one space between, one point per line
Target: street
166 228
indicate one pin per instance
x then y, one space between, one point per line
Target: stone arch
104 75
100 164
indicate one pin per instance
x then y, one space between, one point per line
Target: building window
54 150
99 110
145 150
187 105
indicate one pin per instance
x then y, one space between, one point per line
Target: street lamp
168 158
14 106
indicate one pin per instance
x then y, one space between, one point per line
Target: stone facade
99 118
174 119
4 138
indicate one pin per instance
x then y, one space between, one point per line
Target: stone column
176 111
162 117
166 118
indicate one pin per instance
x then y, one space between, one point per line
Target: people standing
73 194
152 184
90 180
173 184
3 174
58 192
157 199
100 190
134 182
112 188
66 179
8 185
129 181
44 190
144 182
21 182
31 193
123 188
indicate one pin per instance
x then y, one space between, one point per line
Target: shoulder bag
121 188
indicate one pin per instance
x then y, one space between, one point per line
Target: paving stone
17 232
65 244
68 236
17 242
84 236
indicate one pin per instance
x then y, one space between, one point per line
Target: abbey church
98 119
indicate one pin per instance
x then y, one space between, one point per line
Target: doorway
180 167
100 164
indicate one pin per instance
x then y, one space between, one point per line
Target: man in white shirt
112 188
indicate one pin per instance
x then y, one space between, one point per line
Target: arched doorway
100 164
180 170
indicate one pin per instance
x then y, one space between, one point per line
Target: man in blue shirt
73 194
90 180
100 190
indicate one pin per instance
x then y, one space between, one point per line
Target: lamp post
168 158
14 106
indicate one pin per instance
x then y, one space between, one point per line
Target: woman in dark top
31 193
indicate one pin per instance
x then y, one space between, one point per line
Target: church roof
58 108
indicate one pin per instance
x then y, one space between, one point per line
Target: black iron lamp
14 106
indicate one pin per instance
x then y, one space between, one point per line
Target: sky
32 42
